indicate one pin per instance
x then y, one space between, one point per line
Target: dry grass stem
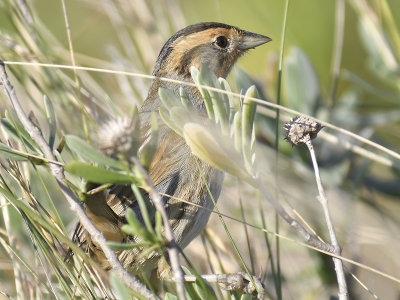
357 137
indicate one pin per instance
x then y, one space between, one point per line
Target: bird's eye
221 41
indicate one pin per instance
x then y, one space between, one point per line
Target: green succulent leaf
204 291
237 131
169 296
120 290
135 227
185 99
89 153
232 104
144 208
203 91
242 79
302 83
97 174
205 146
219 102
158 225
150 148
126 246
168 98
166 117
248 115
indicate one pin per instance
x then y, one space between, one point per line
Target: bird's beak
252 40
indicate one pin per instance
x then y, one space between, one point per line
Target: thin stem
226 228
337 49
301 230
172 248
278 101
58 173
343 292
238 281
307 245
262 103
246 232
391 25
76 78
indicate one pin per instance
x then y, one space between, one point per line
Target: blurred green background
310 27
128 35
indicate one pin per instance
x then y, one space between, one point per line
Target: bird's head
215 45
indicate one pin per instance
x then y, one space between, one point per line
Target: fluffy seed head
116 136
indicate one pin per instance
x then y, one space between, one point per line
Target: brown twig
58 172
233 282
301 130
310 238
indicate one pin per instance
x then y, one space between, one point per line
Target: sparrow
174 170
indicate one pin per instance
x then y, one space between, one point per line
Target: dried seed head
301 129
116 136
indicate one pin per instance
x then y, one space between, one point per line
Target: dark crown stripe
166 49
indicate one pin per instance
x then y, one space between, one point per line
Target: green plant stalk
391 24
143 208
9 153
246 232
51 120
337 49
214 249
277 138
85 115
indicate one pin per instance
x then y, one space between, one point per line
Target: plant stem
337 49
278 101
343 292
172 247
